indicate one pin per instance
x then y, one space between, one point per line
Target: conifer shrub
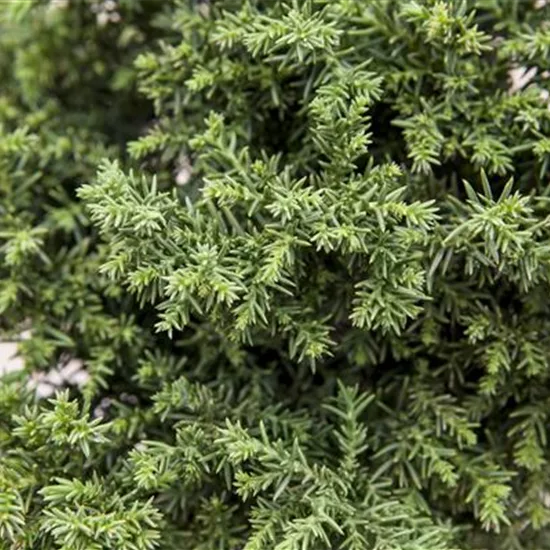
303 251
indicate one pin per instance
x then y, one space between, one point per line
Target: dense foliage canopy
303 251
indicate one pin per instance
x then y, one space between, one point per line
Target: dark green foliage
303 250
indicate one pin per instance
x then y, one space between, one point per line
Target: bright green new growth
303 250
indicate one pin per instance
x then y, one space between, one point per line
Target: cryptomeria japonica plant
303 252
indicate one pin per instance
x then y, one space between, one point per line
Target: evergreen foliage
303 249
